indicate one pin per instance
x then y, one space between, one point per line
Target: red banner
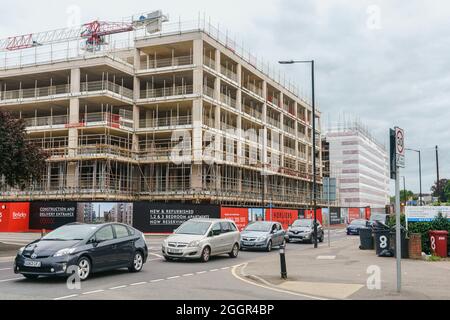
368 213
309 214
14 216
284 216
353 214
238 215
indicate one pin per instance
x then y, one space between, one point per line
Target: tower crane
93 33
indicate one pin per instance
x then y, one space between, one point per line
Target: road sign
400 147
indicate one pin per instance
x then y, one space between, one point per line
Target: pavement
346 272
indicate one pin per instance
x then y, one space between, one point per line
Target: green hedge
439 223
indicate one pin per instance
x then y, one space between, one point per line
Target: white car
201 239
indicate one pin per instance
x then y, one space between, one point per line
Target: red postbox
438 242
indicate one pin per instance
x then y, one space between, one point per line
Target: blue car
354 227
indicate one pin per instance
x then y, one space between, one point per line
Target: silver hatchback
201 239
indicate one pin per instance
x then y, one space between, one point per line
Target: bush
439 223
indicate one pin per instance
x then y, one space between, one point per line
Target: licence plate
33 264
248 243
174 251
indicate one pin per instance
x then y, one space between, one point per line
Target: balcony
274 122
289 129
208 91
150 64
252 111
253 88
228 100
228 73
208 62
46 123
168 122
106 86
34 93
167 92
107 119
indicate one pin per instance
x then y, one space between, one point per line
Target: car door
280 234
227 235
125 245
216 239
103 252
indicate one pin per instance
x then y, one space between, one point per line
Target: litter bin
403 240
438 242
366 239
381 234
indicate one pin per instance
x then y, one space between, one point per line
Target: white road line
6 280
269 286
156 255
156 259
188 275
213 270
5 269
225 268
119 287
326 257
67 297
171 278
157 280
138 283
201 272
92 292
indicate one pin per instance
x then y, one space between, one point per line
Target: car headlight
261 239
64 252
194 244
20 251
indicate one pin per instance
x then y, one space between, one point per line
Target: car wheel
234 253
137 263
84 268
31 276
322 238
269 246
206 254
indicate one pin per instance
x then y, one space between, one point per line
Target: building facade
176 116
360 164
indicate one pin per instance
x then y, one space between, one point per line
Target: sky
383 63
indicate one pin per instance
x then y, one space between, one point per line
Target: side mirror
93 241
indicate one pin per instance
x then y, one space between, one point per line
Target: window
131 231
274 228
225 227
216 229
233 227
121 231
279 227
105 234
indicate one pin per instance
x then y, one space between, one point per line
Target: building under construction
150 110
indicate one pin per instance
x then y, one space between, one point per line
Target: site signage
51 215
424 214
14 216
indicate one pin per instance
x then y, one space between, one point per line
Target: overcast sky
383 63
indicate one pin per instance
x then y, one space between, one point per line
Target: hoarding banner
239 215
309 214
166 217
14 216
51 215
284 216
423 214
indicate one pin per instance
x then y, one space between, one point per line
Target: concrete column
197 132
198 62
137 59
136 121
281 100
74 120
239 90
196 177
75 78
240 134
218 60
136 88
217 83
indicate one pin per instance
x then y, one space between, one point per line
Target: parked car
201 239
303 230
263 235
89 248
355 225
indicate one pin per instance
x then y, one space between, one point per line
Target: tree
443 192
404 196
21 162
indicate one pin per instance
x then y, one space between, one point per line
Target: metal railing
252 111
251 87
46 121
35 92
166 62
165 122
106 86
210 63
274 122
209 91
167 92
228 73
228 100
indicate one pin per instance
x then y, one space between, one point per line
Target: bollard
283 262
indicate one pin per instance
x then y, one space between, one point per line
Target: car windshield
358 222
259 227
302 223
70 232
194 227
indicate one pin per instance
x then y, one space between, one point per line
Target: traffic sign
400 147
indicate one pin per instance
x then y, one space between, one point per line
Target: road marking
138 283
326 257
6 280
157 280
67 297
92 292
201 272
213 270
171 278
268 285
225 268
156 255
156 259
119 287
5 269
188 275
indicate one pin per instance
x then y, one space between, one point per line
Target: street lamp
420 174
313 139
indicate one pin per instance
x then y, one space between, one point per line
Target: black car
84 248
355 225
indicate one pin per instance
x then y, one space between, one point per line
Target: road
162 280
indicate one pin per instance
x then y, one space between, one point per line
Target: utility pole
438 182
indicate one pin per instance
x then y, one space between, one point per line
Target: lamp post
314 196
420 174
